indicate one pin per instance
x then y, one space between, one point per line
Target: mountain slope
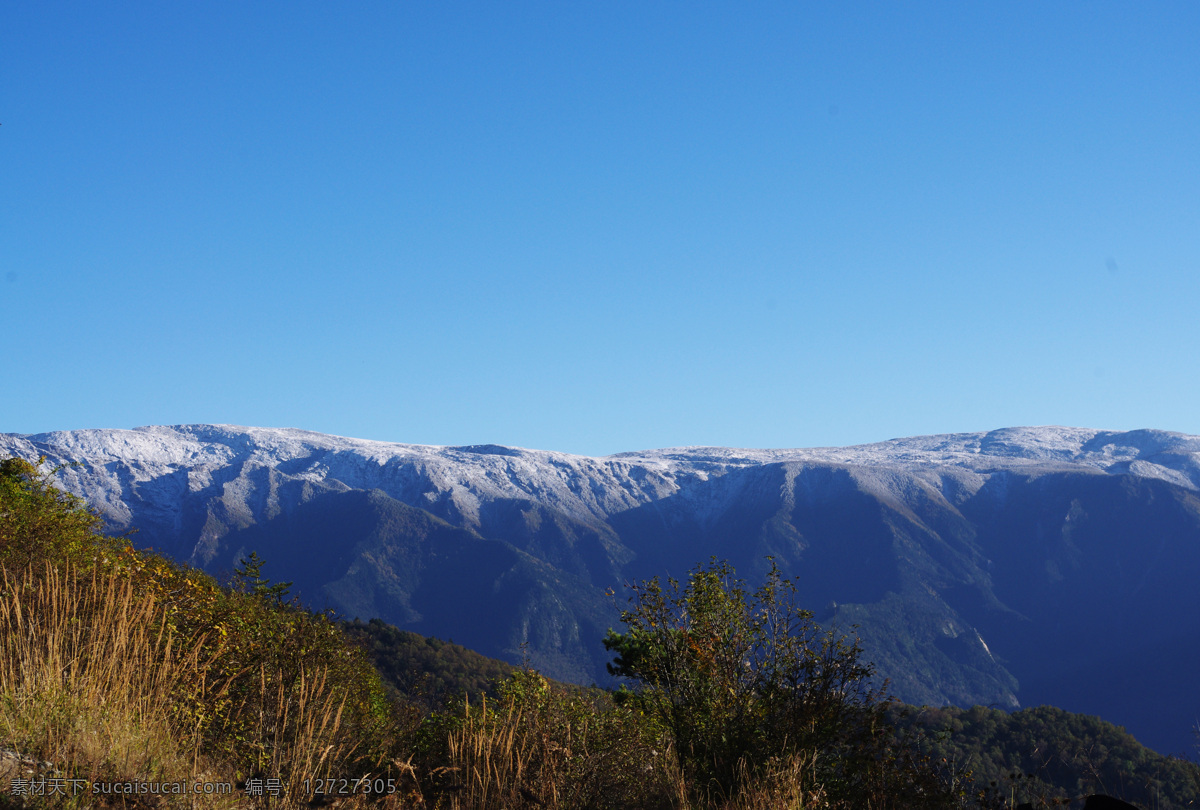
1020 566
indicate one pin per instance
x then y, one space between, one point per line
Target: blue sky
597 227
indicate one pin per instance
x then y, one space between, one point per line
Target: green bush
741 678
40 522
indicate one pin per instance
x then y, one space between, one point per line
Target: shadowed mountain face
367 555
1018 567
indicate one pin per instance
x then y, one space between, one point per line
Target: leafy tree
741 678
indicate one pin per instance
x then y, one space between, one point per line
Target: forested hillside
1046 753
425 670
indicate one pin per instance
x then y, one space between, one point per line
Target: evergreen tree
248 578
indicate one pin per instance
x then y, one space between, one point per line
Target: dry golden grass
304 726
489 756
789 784
87 674
92 678
538 746
501 758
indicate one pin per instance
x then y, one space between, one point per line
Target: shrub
746 679
40 522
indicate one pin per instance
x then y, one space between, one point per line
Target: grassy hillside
119 667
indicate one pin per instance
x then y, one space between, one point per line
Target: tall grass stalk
490 754
542 747
88 668
303 727
789 783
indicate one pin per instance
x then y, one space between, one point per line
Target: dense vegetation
120 666
426 671
1047 754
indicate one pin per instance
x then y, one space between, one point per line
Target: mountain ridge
971 562
1174 457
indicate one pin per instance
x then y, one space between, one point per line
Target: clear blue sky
600 226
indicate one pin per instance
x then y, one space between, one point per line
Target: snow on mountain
457 480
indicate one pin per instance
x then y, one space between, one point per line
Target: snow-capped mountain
124 467
1040 564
